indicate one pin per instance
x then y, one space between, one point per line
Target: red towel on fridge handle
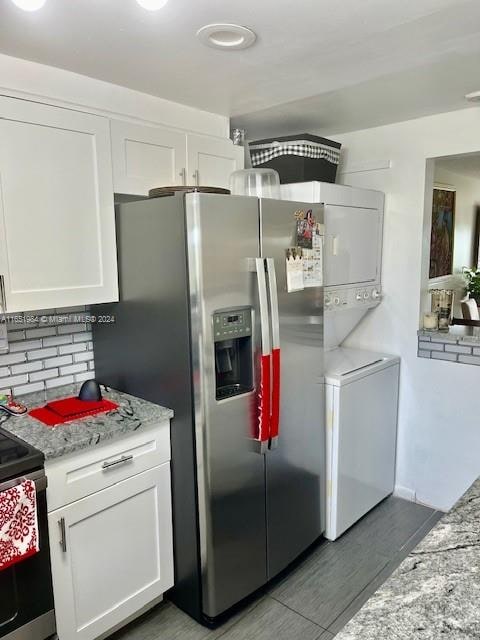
18 524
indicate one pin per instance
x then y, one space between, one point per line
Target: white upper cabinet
145 157
57 222
211 161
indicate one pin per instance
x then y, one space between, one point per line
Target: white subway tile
46 374
14 336
41 332
86 375
26 368
86 356
74 368
65 310
58 382
19 322
42 353
26 345
83 337
73 348
43 312
66 351
13 380
56 340
71 328
11 358
58 362
28 388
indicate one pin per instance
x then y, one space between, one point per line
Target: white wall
438 453
31 80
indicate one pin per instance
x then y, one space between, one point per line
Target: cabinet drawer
82 473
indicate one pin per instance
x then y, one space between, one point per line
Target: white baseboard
405 493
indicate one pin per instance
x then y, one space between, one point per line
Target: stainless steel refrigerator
206 326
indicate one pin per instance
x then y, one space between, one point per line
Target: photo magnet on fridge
294 269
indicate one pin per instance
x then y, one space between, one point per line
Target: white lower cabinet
112 550
111 554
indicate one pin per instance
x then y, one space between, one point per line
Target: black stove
17 457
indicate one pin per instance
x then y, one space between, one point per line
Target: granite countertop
131 415
435 592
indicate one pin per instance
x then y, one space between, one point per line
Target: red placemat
69 409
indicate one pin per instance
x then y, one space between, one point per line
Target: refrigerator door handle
264 395
276 362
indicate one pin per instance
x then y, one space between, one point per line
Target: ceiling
319 65
467 164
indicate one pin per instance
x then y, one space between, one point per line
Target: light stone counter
131 415
435 592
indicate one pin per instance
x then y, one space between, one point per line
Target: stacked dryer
361 387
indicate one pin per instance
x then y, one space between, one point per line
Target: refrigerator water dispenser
232 330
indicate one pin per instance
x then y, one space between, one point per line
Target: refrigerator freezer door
295 470
222 240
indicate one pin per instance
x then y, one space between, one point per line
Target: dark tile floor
318 597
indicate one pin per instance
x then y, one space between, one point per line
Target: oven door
26 592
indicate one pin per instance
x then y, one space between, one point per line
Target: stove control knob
336 300
376 294
328 301
359 297
366 295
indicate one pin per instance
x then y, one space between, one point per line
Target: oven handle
38 477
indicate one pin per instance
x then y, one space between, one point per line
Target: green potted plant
472 278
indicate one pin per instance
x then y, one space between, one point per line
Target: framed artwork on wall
443 233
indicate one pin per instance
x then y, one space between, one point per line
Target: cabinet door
116 555
57 222
353 245
211 161
146 157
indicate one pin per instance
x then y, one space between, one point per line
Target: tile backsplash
47 348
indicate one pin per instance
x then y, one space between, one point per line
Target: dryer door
353 245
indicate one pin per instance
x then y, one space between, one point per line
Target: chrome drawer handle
113 463
63 537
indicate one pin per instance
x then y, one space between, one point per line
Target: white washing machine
361 390
361 387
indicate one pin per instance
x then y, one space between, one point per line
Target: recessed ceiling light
473 97
29 5
226 36
152 5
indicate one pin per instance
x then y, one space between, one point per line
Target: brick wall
47 349
447 346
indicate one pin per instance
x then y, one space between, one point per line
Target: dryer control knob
376 294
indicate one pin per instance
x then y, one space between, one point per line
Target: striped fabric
261 153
